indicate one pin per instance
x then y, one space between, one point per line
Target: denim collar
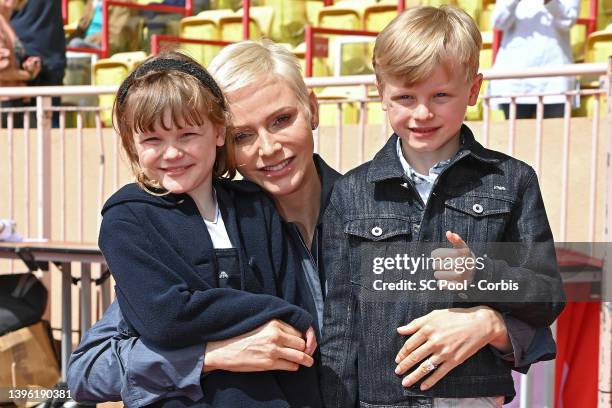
386 165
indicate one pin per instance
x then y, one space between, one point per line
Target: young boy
434 186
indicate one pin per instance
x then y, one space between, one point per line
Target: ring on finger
429 365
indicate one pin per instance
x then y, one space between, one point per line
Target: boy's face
427 115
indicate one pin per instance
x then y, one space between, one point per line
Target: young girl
208 241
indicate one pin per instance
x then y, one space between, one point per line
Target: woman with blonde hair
273 116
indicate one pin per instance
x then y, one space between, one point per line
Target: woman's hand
272 346
446 338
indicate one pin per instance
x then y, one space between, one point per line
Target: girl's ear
220 139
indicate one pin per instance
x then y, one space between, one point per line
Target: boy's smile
427 115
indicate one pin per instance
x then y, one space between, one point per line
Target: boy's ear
475 89
380 87
313 103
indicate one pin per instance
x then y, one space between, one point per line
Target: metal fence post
43 166
605 331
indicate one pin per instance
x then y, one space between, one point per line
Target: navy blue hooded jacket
176 290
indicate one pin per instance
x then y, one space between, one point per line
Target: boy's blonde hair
423 38
141 106
247 62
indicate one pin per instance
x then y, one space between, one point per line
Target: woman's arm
448 336
164 309
107 366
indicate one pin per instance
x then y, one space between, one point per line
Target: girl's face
273 135
8 5
181 159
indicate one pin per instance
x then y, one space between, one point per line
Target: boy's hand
461 268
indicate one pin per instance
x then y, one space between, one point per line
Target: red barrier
186 11
309 34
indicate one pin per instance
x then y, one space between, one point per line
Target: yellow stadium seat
484 20
328 112
75 10
204 25
599 46
313 7
472 7
377 16
343 14
289 20
112 71
230 27
320 67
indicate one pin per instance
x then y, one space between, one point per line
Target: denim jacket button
377 231
477 208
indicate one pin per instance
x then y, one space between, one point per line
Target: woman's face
273 135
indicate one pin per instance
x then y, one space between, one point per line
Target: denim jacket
483 195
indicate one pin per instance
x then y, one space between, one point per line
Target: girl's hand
446 338
272 346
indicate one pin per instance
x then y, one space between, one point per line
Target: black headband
167 64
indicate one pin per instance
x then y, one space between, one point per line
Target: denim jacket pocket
480 218
379 228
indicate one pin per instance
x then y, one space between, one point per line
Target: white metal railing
82 162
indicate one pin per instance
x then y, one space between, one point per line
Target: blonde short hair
189 101
422 38
246 62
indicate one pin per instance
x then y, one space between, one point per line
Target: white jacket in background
534 35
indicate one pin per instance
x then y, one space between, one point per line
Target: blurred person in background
536 33
15 67
122 34
39 26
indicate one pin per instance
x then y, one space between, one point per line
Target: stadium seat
230 27
112 71
599 46
313 7
347 15
598 49
204 25
289 20
377 16
328 112
343 14
486 14
472 7
320 67
75 10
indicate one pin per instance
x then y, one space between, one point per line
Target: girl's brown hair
170 82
